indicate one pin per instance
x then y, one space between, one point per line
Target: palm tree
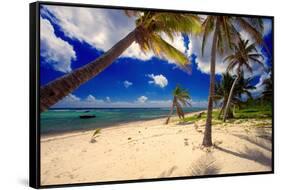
244 54
222 89
181 98
149 27
225 32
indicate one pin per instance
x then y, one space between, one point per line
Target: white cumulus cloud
57 52
71 98
74 101
107 99
158 80
260 86
142 99
91 98
127 84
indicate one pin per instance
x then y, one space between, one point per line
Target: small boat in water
87 116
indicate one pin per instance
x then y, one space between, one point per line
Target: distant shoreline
118 124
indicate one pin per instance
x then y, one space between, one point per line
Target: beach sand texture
150 149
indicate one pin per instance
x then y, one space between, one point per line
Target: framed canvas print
122 94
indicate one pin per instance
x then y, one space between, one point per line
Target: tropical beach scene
145 94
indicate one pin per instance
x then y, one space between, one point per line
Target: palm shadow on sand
168 173
185 123
250 154
256 141
205 165
264 134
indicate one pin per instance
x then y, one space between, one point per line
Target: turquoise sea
62 120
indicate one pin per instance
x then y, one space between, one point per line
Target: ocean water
62 120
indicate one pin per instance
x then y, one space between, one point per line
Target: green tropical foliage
95 135
222 89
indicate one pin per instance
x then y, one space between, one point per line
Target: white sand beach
150 149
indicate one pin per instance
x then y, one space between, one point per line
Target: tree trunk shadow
185 123
263 133
250 154
255 141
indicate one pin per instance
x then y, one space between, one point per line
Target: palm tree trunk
207 140
178 112
63 86
171 112
230 97
222 109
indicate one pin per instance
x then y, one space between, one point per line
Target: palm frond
250 29
256 23
256 55
162 48
208 27
250 48
174 22
248 67
257 61
226 27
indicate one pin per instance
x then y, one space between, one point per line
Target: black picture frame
34 95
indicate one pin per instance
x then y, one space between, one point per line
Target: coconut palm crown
243 55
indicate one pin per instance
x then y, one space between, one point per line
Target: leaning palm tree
150 26
181 98
225 32
222 89
243 57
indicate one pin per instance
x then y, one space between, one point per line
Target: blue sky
72 37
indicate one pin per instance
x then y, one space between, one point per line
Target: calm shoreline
120 124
